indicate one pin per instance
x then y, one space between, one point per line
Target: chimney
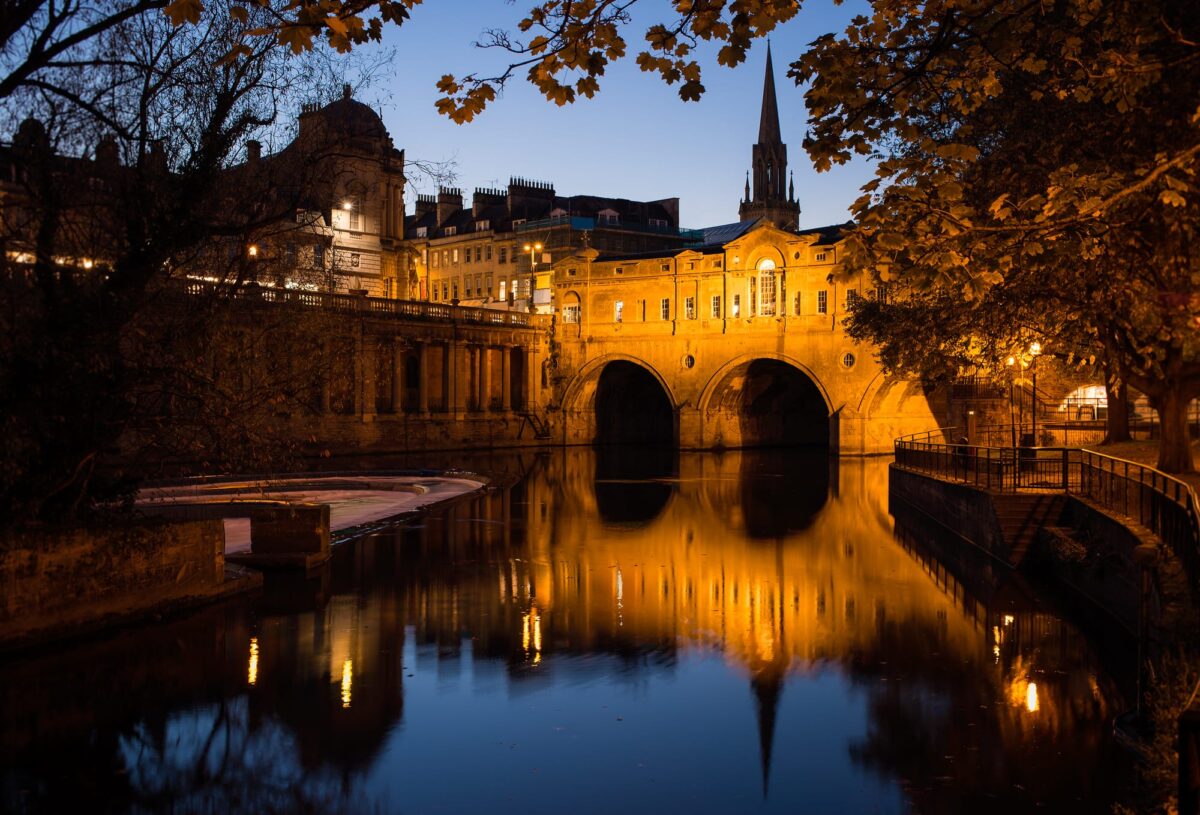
484 198
449 201
426 204
253 151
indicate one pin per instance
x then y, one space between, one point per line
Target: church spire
768 120
772 200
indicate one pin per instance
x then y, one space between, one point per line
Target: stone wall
55 581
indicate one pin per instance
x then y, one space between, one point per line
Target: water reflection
740 632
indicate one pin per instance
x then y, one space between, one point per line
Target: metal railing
418 310
1162 503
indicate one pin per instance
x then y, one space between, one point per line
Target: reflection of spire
767 686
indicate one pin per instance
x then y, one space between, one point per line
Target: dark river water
609 634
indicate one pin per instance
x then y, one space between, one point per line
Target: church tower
772 197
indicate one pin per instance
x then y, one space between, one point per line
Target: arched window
571 308
768 290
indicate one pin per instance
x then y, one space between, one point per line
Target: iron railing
418 310
1163 504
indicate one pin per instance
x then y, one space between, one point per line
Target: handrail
1162 503
372 306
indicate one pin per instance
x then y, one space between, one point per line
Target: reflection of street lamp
532 249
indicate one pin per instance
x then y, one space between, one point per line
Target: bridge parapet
418 310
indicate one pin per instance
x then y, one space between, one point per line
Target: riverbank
63 583
1145 452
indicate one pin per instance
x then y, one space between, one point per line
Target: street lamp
1035 350
532 249
1012 423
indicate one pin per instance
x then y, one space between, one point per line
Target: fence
1165 505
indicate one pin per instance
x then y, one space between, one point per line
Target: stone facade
707 323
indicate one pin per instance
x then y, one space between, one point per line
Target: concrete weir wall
964 511
53 581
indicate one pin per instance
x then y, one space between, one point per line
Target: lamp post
1035 350
532 249
1012 423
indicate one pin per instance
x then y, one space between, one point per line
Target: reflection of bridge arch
621 398
767 399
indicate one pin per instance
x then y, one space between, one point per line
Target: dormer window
518 221
450 230
483 226
660 223
608 216
557 212
422 231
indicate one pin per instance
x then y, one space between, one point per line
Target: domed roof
352 118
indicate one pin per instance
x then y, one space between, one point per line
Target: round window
689 361
848 360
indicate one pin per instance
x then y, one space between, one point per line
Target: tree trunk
1175 446
1117 423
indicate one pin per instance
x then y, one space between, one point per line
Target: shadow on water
612 621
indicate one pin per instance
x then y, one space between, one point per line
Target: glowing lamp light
1035 348
252 671
252 251
87 263
1011 361
1031 698
347 205
347 681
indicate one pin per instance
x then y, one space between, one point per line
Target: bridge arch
767 400
621 399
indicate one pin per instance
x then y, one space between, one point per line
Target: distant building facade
487 253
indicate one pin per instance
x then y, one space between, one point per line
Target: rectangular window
504 254
718 263
479 285
666 267
454 289
482 226
445 258
478 253
467 255
822 302
513 255
881 294
454 255
796 307
355 260
422 231
753 296
436 256
445 290
450 231
319 255
489 285
851 297
424 257
664 308
618 311
737 306
487 252
503 289
619 270
571 313
355 217
767 293
689 308
716 306
570 272
820 257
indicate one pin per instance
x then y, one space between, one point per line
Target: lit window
822 302
422 231
767 289
503 289
354 218
454 255
482 226
736 311
664 308
689 308
716 306
435 259
571 313
450 231
796 306
618 311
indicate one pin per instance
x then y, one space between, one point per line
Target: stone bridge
734 345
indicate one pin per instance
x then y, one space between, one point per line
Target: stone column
459 378
505 379
368 365
397 377
423 378
485 379
533 378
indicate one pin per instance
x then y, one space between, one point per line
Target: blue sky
635 139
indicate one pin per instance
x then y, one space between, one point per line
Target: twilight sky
635 139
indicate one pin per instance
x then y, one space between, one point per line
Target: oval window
848 360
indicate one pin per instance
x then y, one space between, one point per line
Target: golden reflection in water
252 670
347 681
1031 698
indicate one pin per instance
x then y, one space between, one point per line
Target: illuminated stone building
476 255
